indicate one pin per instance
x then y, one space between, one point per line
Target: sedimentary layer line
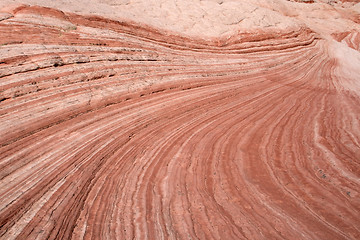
116 130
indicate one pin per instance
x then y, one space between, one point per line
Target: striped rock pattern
116 130
351 38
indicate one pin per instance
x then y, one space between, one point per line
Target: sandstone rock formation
179 119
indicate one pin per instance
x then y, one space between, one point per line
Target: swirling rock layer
116 130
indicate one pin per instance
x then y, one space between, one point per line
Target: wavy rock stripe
116 130
352 39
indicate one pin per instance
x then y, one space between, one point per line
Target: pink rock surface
179 120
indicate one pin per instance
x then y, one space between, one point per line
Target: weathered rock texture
117 129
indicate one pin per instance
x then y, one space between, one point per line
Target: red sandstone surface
141 122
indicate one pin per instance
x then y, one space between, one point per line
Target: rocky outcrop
350 38
115 129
